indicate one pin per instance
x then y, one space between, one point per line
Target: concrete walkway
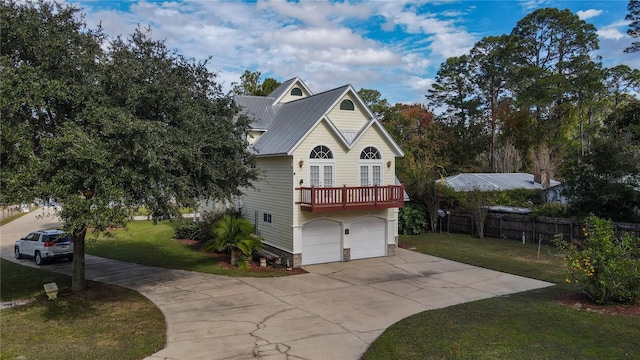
333 312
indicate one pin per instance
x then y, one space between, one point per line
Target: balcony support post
344 196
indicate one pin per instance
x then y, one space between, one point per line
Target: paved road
333 312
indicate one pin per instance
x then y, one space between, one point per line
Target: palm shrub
603 267
237 236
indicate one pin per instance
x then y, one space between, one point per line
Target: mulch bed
224 261
582 302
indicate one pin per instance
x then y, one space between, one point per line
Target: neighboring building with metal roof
552 190
494 182
329 190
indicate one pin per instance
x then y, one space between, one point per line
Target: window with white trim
321 152
267 218
370 153
370 165
321 167
347 105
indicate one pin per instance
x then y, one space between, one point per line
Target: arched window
321 152
321 167
370 164
296 92
370 153
347 105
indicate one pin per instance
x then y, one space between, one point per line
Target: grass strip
103 322
528 325
146 243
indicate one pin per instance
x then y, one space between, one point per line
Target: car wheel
17 252
38 258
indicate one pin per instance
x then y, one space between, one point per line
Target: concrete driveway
333 312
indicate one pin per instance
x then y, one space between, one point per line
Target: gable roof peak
278 93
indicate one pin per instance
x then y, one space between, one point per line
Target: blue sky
395 47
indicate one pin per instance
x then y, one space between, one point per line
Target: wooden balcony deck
323 199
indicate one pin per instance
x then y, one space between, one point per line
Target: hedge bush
412 220
605 268
200 230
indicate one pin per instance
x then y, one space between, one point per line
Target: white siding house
329 190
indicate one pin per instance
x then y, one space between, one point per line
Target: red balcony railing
323 199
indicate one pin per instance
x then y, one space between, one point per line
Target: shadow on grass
68 306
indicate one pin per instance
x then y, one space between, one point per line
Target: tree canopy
104 126
634 26
250 84
536 99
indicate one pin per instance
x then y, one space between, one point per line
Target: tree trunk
433 216
78 282
234 257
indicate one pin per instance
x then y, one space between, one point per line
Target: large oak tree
104 127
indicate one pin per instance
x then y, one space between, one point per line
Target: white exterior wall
347 120
346 173
253 136
274 195
287 97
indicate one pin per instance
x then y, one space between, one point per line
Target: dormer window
296 91
347 105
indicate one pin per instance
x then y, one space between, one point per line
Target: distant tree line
535 99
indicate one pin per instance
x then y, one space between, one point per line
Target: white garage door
321 242
367 238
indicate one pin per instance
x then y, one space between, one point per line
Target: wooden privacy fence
508 226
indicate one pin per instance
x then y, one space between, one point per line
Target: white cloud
610 33
447 39
316 13
392 46
452 43
314 38
588 14
416 63
529 5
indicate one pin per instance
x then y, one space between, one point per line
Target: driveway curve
333 312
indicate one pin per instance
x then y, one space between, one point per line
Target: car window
58 238
32 237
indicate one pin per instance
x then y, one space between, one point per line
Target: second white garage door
367 238
321 242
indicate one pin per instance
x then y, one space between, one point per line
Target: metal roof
258 108
293 120
493 181
405 195
287 124
280 90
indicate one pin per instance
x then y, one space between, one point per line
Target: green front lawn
103 322
503 255
530 325
146 243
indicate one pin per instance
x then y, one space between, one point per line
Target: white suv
45 245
